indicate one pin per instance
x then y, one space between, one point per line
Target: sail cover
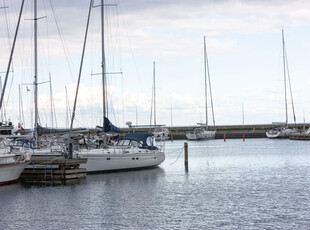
109 127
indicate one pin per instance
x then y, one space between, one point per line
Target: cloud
166 30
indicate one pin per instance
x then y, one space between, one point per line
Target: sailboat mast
205 68
11 54
103 62
35 73
104 93
284 73
154 94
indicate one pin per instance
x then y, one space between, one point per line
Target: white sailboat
135 151
204 133
11 168
161 133
283 131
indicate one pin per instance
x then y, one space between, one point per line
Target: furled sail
109 127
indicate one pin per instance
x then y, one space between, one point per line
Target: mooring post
186 155
70 150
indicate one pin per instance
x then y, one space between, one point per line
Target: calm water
256 184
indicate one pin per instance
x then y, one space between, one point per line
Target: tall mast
35 73
209 80
205 68
103 62
11 54
154 94
284 73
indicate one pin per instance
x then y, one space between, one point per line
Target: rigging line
83 115
22 107
120 61
51 102
131 49
152 103
55 113
67 54
205 79
11 55
289 82
209 79
284 75
7 29
2 110
47 38
45 56
123 104
68 110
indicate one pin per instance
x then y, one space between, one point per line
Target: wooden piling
186 155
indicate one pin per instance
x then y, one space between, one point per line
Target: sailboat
282 131
11 166
161 133
134 151
201 133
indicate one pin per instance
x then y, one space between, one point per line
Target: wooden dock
53 169
299 136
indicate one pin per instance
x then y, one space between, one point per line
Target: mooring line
178 156
174 151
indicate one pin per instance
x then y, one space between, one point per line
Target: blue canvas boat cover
141 138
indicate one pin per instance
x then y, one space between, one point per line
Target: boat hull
100 161
206 135
9 173
279 133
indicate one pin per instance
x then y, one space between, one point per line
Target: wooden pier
300 136
53 169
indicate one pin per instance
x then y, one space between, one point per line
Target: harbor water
255 184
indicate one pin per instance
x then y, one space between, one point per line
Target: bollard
186 155
243 137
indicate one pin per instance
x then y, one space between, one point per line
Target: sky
244 46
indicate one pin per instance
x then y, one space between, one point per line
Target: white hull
161 136
201 135
279 133
11 172
114 159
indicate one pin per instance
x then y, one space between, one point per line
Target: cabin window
7 160
136 144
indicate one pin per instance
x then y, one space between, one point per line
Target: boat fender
27 156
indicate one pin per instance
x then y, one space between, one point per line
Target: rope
178 156
174 151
